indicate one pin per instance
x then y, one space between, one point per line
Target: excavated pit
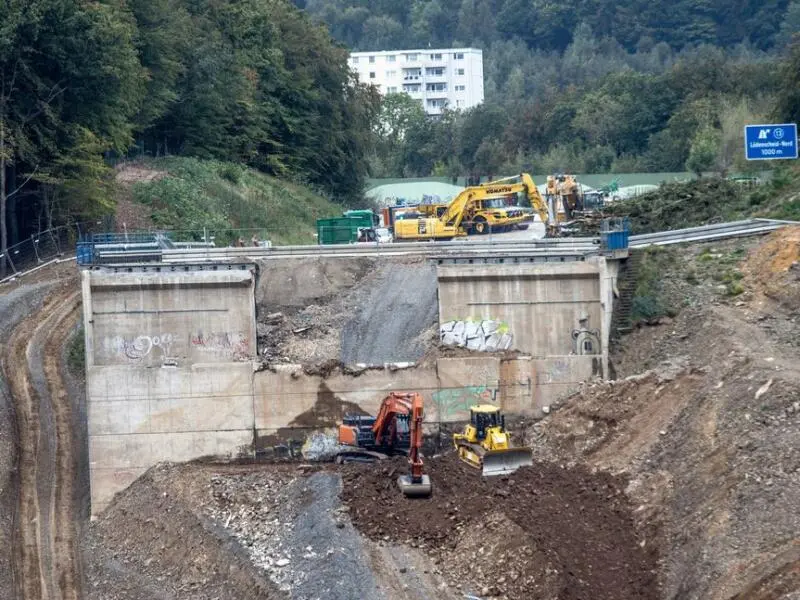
680 481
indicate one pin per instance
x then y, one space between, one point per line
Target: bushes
222 197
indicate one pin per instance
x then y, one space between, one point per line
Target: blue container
614 234
85 253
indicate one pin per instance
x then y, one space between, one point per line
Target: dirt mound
229 532
349 310
135 173
152 543
709 443
544 532
773 268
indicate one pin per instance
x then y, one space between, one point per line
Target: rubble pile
544 532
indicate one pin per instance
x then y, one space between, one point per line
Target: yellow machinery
564 194
486 444
465 212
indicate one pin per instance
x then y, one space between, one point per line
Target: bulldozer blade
415 490
504 462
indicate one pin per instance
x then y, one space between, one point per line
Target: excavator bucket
503 462
410 489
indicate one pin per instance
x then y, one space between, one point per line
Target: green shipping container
344 229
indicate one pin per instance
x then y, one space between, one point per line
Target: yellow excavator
461 216
486 445
565 194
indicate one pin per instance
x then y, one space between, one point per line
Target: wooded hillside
585 85
86 84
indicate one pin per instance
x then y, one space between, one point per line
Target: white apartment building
451 77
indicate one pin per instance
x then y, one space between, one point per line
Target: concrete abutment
173 372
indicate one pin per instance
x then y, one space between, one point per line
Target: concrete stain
327 412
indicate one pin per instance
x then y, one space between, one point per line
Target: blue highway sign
770 142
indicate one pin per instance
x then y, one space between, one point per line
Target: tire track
46 554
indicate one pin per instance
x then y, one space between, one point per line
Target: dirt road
46 558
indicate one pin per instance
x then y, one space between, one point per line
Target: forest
580 85
584 85
86 84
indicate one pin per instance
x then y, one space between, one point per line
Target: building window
411 57
459 71
434 71
459 103
391 90
355 60
436 57
391 73
371 60
436 87
390 58
437 103
460 88
412 74
411 87
372 74
458 56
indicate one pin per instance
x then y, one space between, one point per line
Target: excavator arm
537 202
454 214
416 484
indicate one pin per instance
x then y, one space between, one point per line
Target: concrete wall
169 370
549 310
172 369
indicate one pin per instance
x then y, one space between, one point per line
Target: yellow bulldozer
485 444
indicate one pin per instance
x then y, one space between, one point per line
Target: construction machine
397 429
486 445
467 212
565 194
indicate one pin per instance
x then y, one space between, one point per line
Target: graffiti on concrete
585 341
227 344
555 372
454 403
141 346
486 335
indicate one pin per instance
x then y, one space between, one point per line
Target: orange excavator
396 430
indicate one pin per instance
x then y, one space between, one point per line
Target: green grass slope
191 195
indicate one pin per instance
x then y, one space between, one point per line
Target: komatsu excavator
462 214
397 429
486 445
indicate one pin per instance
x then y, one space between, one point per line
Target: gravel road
15 305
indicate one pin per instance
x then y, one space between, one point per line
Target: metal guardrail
445 250
707 233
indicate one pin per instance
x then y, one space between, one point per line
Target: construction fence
40 249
